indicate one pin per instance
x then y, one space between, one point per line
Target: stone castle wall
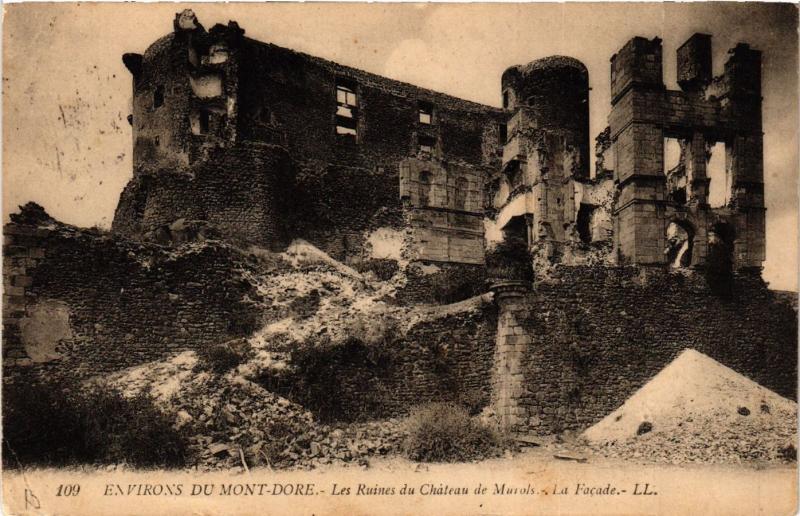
443 358
85 302
558 357
580 345
196 90
243 191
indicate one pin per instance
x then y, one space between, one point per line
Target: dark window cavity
584 222
203 118
158 96
424 188
426 144
425 113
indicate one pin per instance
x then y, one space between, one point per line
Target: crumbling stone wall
543 193
444 358
441 283
599 333
123 303
244 192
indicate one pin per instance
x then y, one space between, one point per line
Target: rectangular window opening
719 189
346 107
674 163
426 144
425 113
503 134
204 118
349 131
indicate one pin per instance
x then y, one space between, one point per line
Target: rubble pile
314 297
234 423
697 410
307 298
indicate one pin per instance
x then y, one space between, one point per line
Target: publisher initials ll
645 489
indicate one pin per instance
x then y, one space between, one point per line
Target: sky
66 94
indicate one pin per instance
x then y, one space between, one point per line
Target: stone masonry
708 110
512 343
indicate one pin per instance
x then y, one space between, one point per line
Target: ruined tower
190 162
543 193
713 120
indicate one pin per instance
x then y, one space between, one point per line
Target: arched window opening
680 243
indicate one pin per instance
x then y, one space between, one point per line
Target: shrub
59 423
510 260
444 432
383 268
330 376
39 427
305 306
473 401
130 430
457 285
221 358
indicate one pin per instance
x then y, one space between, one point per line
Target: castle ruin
262 145
268 144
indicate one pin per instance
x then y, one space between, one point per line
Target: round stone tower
554 92
546 149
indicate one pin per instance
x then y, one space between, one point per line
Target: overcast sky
67 144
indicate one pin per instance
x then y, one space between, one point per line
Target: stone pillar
696 174
21 254
637 91
510 349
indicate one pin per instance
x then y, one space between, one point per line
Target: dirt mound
697 410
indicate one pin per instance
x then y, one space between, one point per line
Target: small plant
221 358
510 260
788 452
456 285
444 432
644 427
305 306
277 443
473 401
383 269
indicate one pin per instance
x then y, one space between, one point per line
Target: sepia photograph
400 258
